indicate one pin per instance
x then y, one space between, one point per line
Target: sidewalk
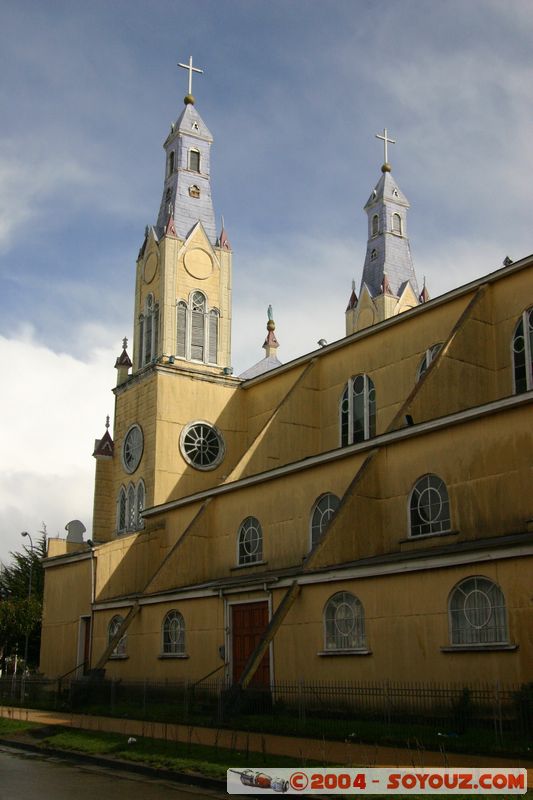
320 750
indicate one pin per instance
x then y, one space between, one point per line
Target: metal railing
474 718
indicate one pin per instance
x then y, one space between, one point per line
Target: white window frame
189 160
367 390
179 651
148 324
438 527
131 495
429 356
208 314
221 445
326 516
257 556
471 634
527 336
330 640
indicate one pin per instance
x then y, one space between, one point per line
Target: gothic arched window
173 634
375 225
197 329
344 623
358 410
250 541
198 311
322 512
181 338
121 510
523 353
429 507
130 505
148 331
477 613
194 159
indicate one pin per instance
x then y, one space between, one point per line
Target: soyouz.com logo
405 781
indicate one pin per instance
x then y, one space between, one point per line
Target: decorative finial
189 98
270 313
107 422
353 285
124 343
386 167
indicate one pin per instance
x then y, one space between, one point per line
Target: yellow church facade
363 512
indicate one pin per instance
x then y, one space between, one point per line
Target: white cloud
53 407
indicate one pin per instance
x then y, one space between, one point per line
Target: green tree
20 614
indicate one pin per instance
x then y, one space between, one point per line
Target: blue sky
293 93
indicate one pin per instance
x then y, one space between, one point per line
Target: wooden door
248 623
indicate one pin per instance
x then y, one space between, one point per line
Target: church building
363 512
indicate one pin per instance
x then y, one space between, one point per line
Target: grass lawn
8 726
184 757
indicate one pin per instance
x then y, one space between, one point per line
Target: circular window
202 445
133 449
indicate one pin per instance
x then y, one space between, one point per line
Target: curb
109 762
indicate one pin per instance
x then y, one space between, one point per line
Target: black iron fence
489 717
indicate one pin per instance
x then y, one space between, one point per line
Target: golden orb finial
386 167
188 100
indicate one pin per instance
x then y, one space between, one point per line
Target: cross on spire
190 69
386 140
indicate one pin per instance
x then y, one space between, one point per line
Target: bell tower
183 284
389 284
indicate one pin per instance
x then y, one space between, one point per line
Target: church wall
512 297
204 634
104 506
485 465
67 596
182 399
406 623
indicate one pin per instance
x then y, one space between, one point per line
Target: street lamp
25 533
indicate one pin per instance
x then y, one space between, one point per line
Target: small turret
270 346
123 364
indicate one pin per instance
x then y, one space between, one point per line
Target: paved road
25 776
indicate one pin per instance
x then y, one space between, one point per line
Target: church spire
187 185
388 284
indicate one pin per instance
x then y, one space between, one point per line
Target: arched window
358 410
131 508
120 648
173 634
181 339
373 254
140 357
149 331
344 623
198 326
121 510
477 613
213 336
250 541
323 511
429 507
197 329
194 191
194 159
139 505
130 505
375 225
397 224
523 353
429 356
171 157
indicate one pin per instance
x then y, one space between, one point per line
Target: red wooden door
248 623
